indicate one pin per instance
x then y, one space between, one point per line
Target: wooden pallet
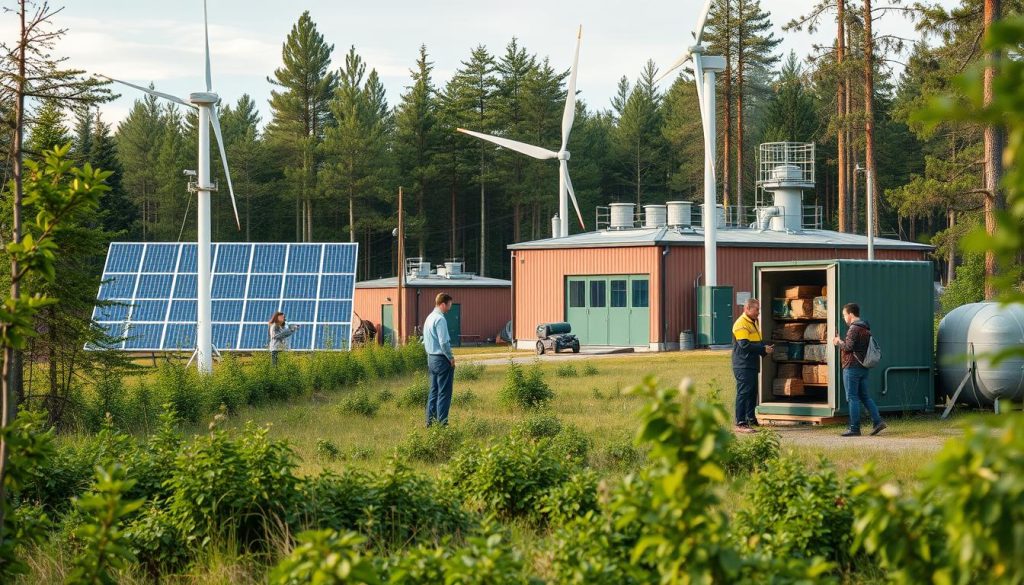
787 419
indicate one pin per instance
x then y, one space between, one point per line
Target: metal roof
738 237
436 282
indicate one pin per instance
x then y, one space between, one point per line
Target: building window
619 293
640 299
597 293
577 294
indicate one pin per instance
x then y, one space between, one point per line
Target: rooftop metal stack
786 170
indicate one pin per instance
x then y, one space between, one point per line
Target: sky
143 41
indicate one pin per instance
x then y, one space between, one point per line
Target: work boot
742 429
850 434
881 427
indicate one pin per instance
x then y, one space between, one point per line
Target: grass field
596 403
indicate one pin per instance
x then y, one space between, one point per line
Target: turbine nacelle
563 155
203 98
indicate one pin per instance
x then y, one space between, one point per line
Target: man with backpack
856 361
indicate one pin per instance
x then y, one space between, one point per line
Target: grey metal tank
980 329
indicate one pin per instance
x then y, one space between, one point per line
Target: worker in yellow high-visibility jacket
747 350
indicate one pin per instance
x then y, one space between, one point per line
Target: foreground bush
325 557
437 445
753 453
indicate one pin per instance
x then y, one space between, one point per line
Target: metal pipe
204 321
885 375
662 301
871 214
710 219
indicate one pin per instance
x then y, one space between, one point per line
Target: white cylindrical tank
680 213
622 216
721 215
785 173
791 202
982 329
655 216
556 226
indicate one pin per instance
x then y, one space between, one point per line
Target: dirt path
891 439
527 358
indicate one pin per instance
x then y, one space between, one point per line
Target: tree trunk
483 218
994 200
854 190
841 188
727 133
951 258
869 117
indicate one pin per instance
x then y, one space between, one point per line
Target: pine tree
790 113
300 114
543 103
48 129
138 145
172 210
118 213
252 171
508 118
685 137
638 138
416 145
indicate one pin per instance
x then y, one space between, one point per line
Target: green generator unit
714 315
801 314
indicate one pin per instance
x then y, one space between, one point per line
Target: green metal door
454 319
639 311
576 307
387 324
618 311
597 311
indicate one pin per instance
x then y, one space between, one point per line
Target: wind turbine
565 190
704 69
206 103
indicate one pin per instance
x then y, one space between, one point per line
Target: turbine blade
705 116
215 122
675 65
527 149
206 36
151 92
698 34
572 194
569 115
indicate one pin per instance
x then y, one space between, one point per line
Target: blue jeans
442 374
855 379
746 394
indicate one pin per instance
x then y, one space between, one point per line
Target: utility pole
400 317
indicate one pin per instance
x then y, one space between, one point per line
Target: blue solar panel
230 311
229 286
339 258
304 258
118 286
269 259
183 311
265 286
185 286
300 286
336 286
155 285
332 336
232 258
259 311
160 257
334 311
299 311
124 257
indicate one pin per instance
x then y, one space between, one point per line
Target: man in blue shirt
440 360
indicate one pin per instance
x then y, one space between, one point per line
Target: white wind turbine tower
206 104
565 190
704 69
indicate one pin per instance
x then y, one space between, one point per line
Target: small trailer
556 337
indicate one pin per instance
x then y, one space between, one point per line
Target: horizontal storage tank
968 334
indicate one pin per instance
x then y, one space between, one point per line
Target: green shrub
793 511
469 372
327 450
229 385
180 386
572 444
524 390
623 454
483 559
539 426
750 454
570 499
510 478
109 397
385 396
437 445
325 557
591 550
567 371
413 355
589 369
238 486
361 403
464 398
29 446
105 547
415 394
157 540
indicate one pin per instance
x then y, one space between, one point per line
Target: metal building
481 306
634 282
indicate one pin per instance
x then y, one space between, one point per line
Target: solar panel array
151 288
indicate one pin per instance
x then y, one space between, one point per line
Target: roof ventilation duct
680 214
655 216
622 216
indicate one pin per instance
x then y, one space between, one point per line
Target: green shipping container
895 298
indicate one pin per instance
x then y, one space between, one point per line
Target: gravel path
887 440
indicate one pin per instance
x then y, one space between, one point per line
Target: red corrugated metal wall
484 310
540 278
540 281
